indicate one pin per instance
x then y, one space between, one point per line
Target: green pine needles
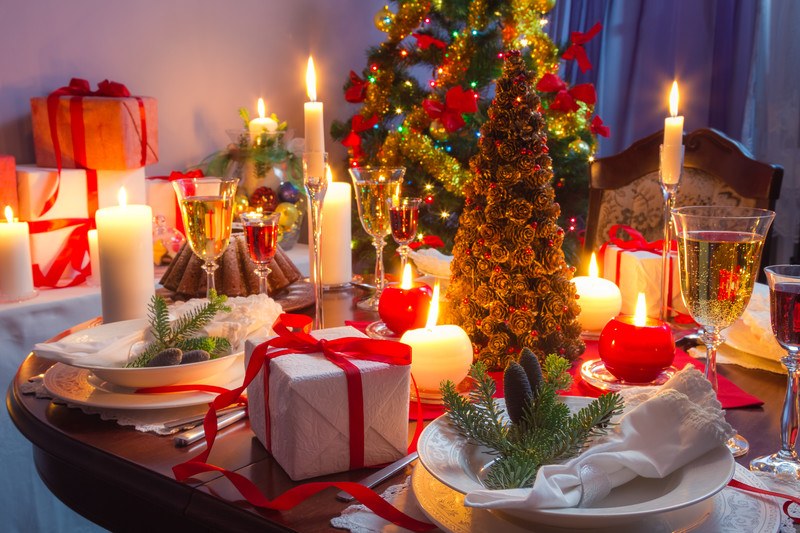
183 332
538 429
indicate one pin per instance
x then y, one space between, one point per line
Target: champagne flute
374 186
261 230
719 250
207 212
784 312
403 219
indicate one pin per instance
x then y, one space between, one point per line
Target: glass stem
669 202
790 416
712 339
210 267
403 257
263 273
378 243
316 267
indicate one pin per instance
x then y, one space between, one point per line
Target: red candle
405 306
636 348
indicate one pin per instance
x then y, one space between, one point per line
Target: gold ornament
543 6
438 131
384 18
579 147
241 204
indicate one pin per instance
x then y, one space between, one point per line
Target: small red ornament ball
265 198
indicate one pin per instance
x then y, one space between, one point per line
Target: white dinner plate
80 386
456 463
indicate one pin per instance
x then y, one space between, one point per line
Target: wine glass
403 219
784 312
261 230
374 186
719 250
207 212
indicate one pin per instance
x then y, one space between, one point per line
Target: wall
202 60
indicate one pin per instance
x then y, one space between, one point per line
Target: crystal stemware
374 187
261 230
315 182
403 219
719 250
784 312
207 211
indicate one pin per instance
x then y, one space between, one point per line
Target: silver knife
381 475
195 434
194 420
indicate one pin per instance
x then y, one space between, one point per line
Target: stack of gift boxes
88 145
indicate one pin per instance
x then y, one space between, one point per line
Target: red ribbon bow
358 125
433 241
293 337
566 100
598 128
577 51
357 92
457 101
426 41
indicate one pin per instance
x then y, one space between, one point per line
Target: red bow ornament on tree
357 92
598 128
426 41
577 51
457 101
566 100
358 125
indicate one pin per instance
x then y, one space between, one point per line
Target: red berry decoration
265 198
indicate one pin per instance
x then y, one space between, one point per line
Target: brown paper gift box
8 185
113 132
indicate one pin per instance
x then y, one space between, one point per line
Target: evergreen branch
158 313
195 320
215 346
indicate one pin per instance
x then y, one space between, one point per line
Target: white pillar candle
94 257
335 251
262 123
314 125
438 353
600 299
125 245
672 148
16 272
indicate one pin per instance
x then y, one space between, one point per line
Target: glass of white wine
207 211
719 251
374 187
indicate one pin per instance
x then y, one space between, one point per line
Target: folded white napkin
112 345
432 262
661 430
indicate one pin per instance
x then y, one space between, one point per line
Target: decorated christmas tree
510 284
424 93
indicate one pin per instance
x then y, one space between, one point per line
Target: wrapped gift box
640 271
308 409
112 132
8 184
36 185
161 197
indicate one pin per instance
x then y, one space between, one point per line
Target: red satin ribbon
566 100
72 253
789 499
357 92
457 101
426 41
577 51
293 336
175 175
598 128
358 125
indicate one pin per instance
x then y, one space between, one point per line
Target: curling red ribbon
789 498
357 92
293 336
426 41
358 125
175 175
598 128
457 101
73 253
577 51
78 89
566 100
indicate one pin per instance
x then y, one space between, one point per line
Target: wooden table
122 480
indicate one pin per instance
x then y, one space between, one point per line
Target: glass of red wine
784 312
261 229
403 219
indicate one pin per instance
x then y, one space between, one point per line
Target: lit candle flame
405 284
640 315
311 81
262 109
9 214
673 99
594 272
433 310
122 197
328 174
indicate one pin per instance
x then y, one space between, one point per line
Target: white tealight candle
314 125
438 353
600 299
262 123
335 251
125 245
672 149
16 272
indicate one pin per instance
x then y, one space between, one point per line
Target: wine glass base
369 304
778 465
379 330
738 445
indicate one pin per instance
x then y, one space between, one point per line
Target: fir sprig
546 432
183 333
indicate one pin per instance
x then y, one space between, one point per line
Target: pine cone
533 370
517 391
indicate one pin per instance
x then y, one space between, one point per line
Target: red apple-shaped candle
636 349
405 306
